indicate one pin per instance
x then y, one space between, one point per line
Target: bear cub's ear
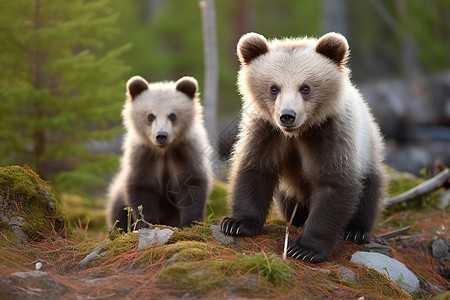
334 46
250 46
187 85
135 86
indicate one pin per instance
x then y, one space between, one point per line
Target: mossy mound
199 278
198 232
29 208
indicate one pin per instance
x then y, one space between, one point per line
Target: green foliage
429 28
267 265
168 44
61 90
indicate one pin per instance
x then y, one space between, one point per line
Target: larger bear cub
165 166
307 137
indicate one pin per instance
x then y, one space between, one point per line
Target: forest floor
194 263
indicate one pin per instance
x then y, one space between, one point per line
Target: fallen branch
393 233
424 188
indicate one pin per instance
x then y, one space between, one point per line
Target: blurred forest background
64 65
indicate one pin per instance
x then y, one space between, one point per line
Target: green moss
28 196
199 278
184 236
7 236
278 222
378 284
200 229
218 204
400 182
267 265
188 250
121 243
443 296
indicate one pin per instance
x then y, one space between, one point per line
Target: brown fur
171 176
328 160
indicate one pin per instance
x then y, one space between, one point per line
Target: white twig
287 231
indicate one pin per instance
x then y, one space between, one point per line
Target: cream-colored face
160 115
293 87
292 84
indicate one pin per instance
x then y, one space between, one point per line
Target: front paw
356 235
298 250
232 226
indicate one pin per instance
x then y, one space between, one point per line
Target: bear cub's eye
151 117
274 90
172 117
305 89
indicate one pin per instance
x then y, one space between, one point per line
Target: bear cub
306 137
165 165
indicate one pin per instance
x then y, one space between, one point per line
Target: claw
237 231
364 237
232 228
312 258
348 236
228 227
356 237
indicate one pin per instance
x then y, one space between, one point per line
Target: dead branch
393 233
424 188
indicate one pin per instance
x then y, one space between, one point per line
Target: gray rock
440 250
149 237
21 237
346 275
16 221
379 247
219 236
4 217
31 274
391 268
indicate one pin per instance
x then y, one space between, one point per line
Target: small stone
219 236
346 275
17 221
38 266
149 237
440 250
391 268
21 236
4 217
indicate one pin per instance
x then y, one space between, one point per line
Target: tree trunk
211 81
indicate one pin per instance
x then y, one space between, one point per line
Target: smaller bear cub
306 138
165 167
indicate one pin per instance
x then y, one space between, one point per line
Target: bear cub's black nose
287 117
161 137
